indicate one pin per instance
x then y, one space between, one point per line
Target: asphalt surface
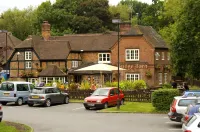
74 118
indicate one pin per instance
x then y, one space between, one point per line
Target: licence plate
6 94
90 104
35 97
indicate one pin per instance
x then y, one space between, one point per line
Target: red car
103 98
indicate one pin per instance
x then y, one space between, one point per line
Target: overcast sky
20 4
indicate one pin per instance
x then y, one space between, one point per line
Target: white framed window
165 77
163 55
168 56
28 64
104 57
160 78
157 55
74 64
132 76
49 79
28 55
132 54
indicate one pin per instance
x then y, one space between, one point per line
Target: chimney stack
46 28
125 27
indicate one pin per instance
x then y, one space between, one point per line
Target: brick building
48 58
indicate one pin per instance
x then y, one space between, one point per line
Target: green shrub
48 85
162 98
139 84
167 86
85 85
73 86
194 88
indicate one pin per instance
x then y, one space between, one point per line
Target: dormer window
28 55
104 58
132 54
157 55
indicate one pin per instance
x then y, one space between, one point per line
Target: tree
186 45
19 22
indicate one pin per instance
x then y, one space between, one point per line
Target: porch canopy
100 67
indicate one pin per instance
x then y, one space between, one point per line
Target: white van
15 91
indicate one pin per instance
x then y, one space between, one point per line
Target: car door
50 94
58 96
23 91
111 97
115 98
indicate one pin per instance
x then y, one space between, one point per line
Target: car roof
45 87
191 97
197 114
192 91
17 82
107 88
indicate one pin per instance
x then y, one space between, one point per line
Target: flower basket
39 69
167 67
29 74
157 66
148 74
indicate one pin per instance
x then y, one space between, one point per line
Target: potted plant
29 74
39 69
23 74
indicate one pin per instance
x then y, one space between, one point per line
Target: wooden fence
132 96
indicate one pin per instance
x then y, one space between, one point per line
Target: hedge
162 98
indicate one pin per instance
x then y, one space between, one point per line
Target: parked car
103 98
1 113
191 110
47 96
179 106
15 91
191 93
193 124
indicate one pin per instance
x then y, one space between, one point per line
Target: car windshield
38 91
7 87
100 92
191 120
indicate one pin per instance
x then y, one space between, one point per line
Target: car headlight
98 101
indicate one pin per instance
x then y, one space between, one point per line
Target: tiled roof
11 43
47 50
149 34
52 71
89 42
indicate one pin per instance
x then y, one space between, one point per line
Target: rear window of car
38 91
7 87
191 120
186 102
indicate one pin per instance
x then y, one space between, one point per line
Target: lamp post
18 53
118 22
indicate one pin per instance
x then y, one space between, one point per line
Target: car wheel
48 103
66 100
122 102
106 105
0 119
87 108
30 105
4 103
19 101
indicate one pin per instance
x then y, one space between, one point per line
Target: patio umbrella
100 67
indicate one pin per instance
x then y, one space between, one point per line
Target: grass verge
6 126
134 107
75 101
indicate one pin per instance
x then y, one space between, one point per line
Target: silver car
47 96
